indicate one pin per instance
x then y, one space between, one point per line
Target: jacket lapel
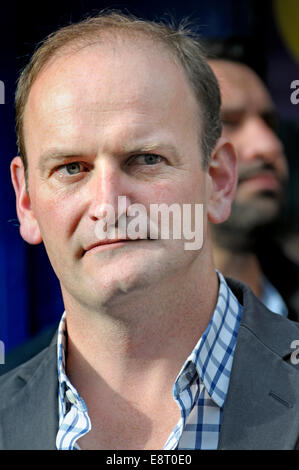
262 406
261 409
30 418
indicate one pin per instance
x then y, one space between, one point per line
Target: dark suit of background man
246 246
156 349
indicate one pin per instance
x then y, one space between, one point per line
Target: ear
29 227
223 177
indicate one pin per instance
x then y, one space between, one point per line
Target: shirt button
75 401
71 397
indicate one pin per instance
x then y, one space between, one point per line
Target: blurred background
30 298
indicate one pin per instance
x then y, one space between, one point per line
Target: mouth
109 244
265 180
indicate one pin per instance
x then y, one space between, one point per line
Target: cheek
238 138
57 217
283 167
191 190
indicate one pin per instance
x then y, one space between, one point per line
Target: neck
242 266
146 338
124 360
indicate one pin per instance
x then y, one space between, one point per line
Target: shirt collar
210 360
212 357
67 393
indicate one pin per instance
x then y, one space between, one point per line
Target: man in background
244 245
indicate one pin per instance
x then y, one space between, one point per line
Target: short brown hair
179 40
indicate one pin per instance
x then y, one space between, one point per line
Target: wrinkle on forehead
99 85
110 58
108 50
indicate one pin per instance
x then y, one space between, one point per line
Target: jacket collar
30 417
261 409
262 406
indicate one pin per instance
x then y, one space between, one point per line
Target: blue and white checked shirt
199 390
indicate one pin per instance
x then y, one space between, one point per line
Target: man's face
101 123
248 116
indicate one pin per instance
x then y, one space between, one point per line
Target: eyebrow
243 109
56 154
151 147
232 111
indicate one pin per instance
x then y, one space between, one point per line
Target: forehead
109 78
240 86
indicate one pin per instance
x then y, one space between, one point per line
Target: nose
260 141
107 184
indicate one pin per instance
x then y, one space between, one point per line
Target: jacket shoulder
274 330
262 404
29 404
14 380
24 352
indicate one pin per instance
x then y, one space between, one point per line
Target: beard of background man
252 222
250 122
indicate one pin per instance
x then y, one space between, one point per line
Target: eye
229 123
147 159
71 169
271 119
231 120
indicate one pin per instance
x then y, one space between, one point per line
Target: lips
106 242
266 179
253 174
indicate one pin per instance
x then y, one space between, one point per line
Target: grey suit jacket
261 410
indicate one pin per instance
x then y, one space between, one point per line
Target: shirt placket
184 395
